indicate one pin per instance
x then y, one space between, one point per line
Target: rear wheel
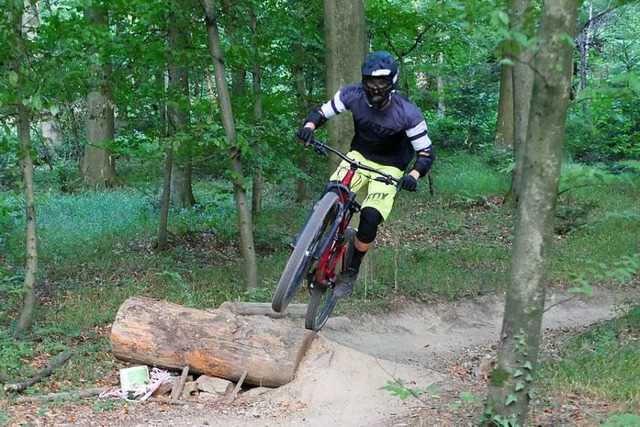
322 300
301 259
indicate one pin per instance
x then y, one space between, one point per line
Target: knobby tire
301 258
322 300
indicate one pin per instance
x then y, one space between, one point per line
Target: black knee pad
370 218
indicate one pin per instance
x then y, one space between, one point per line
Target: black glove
408 183
305 134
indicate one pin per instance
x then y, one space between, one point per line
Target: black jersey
390 136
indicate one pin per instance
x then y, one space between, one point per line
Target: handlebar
322 148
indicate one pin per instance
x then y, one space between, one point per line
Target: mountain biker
389 132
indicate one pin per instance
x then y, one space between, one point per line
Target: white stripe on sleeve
334 107
419 136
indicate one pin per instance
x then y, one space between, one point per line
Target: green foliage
11 291
619 271
13 352
490 418
601 362
622 420
259 294
399 388
579 175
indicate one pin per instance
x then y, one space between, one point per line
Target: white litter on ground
139 391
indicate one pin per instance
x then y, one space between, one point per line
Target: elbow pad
424 159
316 118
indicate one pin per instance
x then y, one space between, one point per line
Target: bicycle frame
327 258
325 253
325 241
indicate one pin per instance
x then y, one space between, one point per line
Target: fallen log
218 343
264 309
66 395
60 360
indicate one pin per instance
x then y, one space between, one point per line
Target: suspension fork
325 253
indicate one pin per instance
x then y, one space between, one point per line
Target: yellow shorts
379 195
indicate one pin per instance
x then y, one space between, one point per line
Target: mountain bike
323 247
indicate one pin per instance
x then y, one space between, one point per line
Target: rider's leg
370 218
376 207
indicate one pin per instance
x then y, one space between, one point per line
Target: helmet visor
377 90
377 85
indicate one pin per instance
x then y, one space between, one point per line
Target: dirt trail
339 380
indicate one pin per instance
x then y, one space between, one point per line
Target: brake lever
320 150
388 181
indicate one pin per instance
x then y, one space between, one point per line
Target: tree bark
504 124
258 176
165 198
302 99
98 166
31 267
214 342
264 309
346 46
442 105
23 123
522 81
178 113
511 381
165 201
242 205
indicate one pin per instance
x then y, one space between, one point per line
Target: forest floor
442 349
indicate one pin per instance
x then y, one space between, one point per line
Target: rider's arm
314 119
340 103
424 160
423 147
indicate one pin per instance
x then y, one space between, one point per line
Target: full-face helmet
379 77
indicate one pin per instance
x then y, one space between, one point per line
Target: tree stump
218 343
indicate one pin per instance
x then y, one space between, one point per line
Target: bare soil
444 348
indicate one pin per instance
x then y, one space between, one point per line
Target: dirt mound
336 384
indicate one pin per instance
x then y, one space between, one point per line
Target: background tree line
190 89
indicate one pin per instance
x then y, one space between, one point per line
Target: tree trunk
178 113
98 167
511 381
15 14
258 176
504 124
584 43
165 198
242 205
51 132
299 58
346 46
217 343
522 80
31 267
165 201
442 106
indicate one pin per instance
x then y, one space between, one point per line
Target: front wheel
320 306
323 301
301 259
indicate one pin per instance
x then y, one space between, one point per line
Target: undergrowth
96 249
